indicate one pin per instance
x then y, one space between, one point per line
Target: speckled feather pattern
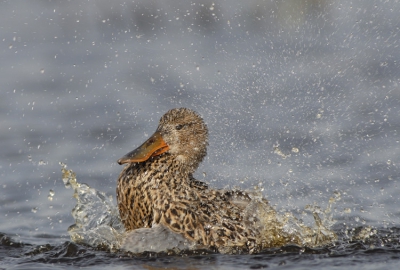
162 190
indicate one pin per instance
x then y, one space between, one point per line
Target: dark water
302 100
381 251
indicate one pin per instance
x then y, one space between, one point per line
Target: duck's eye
179 127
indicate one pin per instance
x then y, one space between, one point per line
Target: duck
156 190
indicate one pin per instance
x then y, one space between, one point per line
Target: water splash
284 229
97 224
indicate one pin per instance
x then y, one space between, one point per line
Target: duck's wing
242 198
197 184
208 218
237 197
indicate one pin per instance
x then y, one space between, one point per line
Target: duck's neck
144 188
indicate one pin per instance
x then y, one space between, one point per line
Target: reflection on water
97 223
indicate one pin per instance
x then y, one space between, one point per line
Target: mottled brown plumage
157 187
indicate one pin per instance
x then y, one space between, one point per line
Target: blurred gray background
302 100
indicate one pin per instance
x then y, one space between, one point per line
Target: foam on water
97 224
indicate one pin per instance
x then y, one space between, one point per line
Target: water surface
302 101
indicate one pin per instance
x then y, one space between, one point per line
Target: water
302 101
98 224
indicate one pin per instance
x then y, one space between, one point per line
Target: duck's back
211 217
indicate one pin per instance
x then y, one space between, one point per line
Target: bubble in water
34 209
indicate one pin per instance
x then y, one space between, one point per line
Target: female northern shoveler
157 189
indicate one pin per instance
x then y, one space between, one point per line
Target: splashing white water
98 224
97 220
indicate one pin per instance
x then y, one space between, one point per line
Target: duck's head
181 133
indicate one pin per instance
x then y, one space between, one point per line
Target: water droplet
41 163
51 194
337 194
363 221
34 209
42 71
